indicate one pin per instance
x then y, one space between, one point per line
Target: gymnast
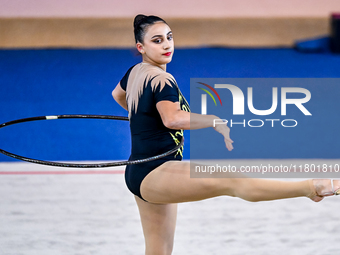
158 114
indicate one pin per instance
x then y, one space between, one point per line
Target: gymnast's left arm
119 95
175 118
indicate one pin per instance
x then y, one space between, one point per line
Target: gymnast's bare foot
323 188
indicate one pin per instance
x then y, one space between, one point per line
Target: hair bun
138 20
141 23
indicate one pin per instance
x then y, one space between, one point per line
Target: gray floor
95 214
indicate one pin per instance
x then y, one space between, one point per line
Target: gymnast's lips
167 54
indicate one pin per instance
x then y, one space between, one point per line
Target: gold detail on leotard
180 150
184 107
183 102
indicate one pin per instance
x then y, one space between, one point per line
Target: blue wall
50 82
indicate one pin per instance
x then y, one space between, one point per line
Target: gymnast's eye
158 40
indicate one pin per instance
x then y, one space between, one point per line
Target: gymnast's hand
224 130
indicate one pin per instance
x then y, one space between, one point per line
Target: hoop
79 116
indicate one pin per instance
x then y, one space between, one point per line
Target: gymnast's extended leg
171 183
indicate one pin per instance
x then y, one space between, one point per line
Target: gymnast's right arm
120 96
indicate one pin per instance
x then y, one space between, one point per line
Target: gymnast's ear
140 48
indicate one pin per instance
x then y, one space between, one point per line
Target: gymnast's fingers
229 144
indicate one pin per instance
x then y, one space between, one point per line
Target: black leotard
145 86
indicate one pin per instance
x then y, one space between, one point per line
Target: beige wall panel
118 32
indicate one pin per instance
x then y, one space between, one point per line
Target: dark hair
141 23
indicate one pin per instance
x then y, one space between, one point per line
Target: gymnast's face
158 45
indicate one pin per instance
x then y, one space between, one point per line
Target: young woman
158 115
